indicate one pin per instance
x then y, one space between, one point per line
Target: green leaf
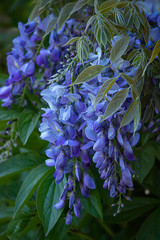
47 196
119 48
17 164
17 225
132 83
129 115
104 89
90 21
89 73
131 210
129 80
6 213
137 116
146 159
108 5
155 52
79 5
26 124
30 184
115 103
93 204
34 13
65 14
50 26
60 230
8 114
82 48
44 4
72 40
150 227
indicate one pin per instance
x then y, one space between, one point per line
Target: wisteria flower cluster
90 84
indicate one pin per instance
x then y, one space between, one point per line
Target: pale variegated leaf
89 73
119 48
104 89
115 104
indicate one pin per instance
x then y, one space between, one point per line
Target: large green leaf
115 103
17 164
88 74
150 228
8 114
30 184
59 230
47 196
145 162
79 5
17 225
93 204
104 89
131 210
26 124
65 14
119 48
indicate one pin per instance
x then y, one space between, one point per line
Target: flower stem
85 236
106 228
24 92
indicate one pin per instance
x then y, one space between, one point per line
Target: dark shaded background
11 12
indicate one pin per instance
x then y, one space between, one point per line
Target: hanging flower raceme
61 126
79 139
25 56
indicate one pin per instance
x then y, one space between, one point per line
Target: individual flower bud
128 152
85 157
50 162
5 91
59 176
77 172
134 139
110 149
68 218
64 192
105 184
103 166
90 134
59 204
71 199
84 190
70 183
120 138
111 132
99 163
103 174
77 208
60 139
127 178
61 160
98 155
88 181
100 143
